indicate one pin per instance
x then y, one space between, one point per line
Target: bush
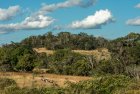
66 62
5 82
5 67
103 85
109 67
17 90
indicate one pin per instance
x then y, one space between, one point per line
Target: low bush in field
16 90
117 84
5 82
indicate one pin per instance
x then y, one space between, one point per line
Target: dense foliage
19 58
126 51
66 62
66 40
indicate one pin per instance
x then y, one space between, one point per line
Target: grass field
32 80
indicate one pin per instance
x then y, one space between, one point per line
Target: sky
111 19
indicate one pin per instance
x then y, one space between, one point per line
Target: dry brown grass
30 80
99 54
43 50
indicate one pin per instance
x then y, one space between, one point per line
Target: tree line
64 40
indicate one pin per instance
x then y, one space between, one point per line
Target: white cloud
30 23
6 14
135 22
66 4
39 20
138 5
100 18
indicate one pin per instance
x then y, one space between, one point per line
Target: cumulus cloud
134 22
138 5
30 23
6 14
100 18
66 4
37 20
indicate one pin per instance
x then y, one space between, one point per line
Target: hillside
88 64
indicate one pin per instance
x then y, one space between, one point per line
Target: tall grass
106 85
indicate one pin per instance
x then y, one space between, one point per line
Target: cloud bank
6 14
100 18
30 23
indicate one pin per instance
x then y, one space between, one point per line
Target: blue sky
20 19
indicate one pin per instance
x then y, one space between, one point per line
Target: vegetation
104 85
66 62
65 40
19 58
113 84
118 75
4 83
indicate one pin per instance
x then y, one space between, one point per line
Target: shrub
103 85
5 82
16 90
